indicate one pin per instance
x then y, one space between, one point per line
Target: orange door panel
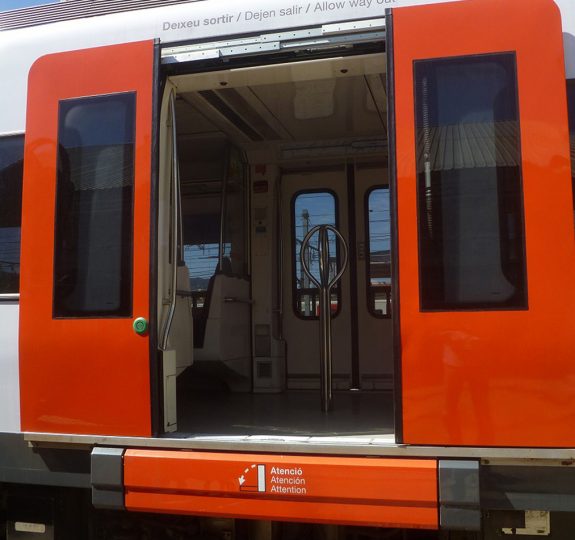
486 295
356 491
86 242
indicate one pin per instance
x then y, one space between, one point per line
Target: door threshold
386 439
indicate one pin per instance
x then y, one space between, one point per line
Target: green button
140 326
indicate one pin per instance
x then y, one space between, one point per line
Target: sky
15 4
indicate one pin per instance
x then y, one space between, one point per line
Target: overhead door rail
328 36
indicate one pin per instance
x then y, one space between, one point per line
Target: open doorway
264 154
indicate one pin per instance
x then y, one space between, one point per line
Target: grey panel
461 519
108 478
459 495
459 482
21 463
108 499
528 488
107 467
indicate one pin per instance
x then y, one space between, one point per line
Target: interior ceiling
336 108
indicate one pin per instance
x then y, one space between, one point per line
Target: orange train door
485 258
86 242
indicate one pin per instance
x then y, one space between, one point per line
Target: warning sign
273 479
253 479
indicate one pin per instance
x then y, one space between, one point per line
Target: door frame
392 172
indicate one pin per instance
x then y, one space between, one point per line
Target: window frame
368 286
294 288
483 307
223 206
8 298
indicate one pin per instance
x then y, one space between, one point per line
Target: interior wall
268 343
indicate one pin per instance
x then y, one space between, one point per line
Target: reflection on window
471 238
202 246
379 252
94 225
311 209
571 109
11 156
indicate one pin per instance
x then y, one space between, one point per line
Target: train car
287 269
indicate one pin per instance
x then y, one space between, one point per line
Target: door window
214 223
201 234
378 252
471 238
11 156
309 209
94 207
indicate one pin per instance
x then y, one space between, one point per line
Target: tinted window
311 209
471 238
379 252
11 157
201 203
202 244
93 245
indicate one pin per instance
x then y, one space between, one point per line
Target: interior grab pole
175 237
325 283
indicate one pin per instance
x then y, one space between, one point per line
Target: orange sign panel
355 491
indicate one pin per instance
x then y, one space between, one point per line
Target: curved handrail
304 246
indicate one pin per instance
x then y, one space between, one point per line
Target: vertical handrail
175 229
280 278
324 284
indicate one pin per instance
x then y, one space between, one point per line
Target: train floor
291 413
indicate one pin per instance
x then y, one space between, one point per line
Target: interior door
313 198
86 242
484 207
355 199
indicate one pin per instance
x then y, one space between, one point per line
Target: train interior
263 155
